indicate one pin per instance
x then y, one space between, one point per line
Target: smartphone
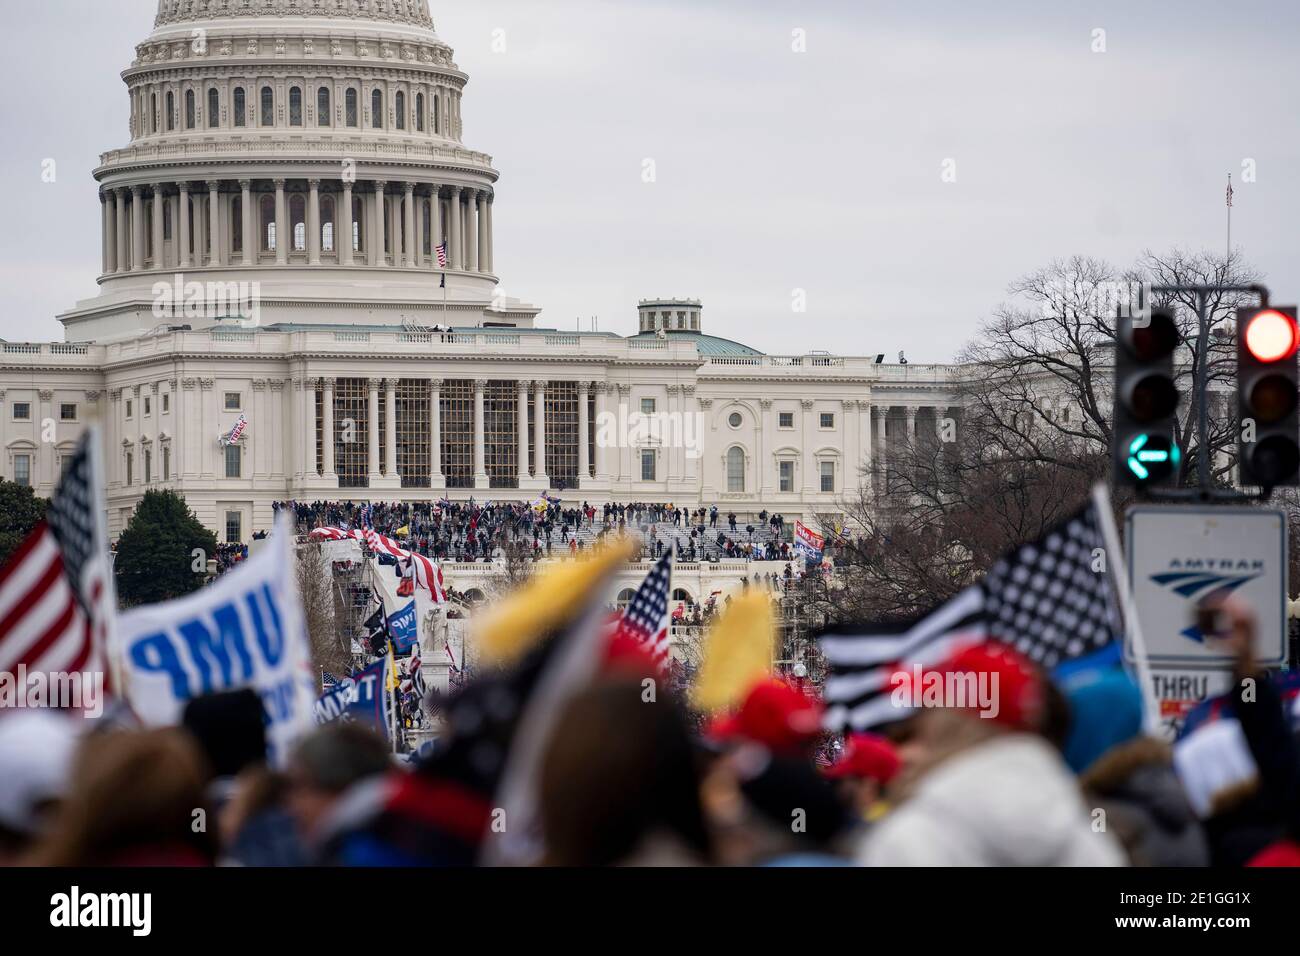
1210 621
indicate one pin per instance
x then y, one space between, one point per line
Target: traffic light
1144 440
1268 453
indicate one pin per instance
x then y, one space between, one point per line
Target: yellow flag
403 531
738 653
553 598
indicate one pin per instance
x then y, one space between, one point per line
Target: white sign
246 629
1180 556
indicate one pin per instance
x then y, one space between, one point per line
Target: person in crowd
863 772
36 756
322 768
987 790
135 798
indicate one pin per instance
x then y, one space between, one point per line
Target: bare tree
316 591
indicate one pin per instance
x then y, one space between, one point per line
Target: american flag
1045 599
328 680
56 592
442 254
1230 191
646 619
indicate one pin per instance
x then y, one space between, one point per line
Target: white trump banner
246 629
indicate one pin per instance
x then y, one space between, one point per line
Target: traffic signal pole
1201 383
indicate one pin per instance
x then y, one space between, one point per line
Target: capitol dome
311 150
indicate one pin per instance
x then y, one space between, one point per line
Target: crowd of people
618 781
472 531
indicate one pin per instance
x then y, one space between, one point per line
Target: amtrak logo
1201 580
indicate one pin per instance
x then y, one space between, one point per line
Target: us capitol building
271 250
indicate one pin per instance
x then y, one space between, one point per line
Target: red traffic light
1270 336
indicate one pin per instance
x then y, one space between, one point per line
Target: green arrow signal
1139 456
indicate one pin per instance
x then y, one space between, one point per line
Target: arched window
437 120
268 106
237 224
295 106
350 107
399 106
266 207
214 108
167 220
327 224
153 112
189 109
377 109
419 112
323 106
298 222
171 111
358 234
735 468
625 597
239 106
426 240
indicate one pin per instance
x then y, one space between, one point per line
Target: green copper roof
706 344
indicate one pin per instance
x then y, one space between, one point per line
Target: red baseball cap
866 757
782 718
1014 679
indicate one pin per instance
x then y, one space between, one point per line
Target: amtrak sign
1181 556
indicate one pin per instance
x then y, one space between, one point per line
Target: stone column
435 227
602 453
327 438
214 223
453 229
523 431
390 428
137 229
539 440
491 237
436 479
480 438
110 232
808 439
377 228
879 424
282 237
344 239
910 412
483 234
200 208
159 259
183 240
372 429
584 429
247 231
313 222
408 224
471 238
309 428
123 242
418 258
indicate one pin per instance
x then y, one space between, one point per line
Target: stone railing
285 148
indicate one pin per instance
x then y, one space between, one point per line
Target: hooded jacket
1008 801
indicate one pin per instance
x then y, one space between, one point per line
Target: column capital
435 384
184 187
373 384
380 185
584 385
408 188
910 412
137 192
600 388
279 183
327 383
213 185
92 396
157 187
539 385
313 184
524 385
480 384
245 184
765 403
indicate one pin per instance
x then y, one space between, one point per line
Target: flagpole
1229 202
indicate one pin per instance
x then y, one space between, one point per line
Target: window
358 234
323 106
647 406
214 108
828 476
148 403
171 110
189 109
377 109
419 112
295 106
130 408
23 470
827 419
785 470
647 464
68 412
236 224
167 462
735 419
298 222
240 104
268 106
234 461
130 467
785 419
437 128
234 527
153 113
167 403
350 107
23 411
327 224
233 401
399 106
267 206
735 468
148 466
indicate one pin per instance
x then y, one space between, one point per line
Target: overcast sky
776 170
